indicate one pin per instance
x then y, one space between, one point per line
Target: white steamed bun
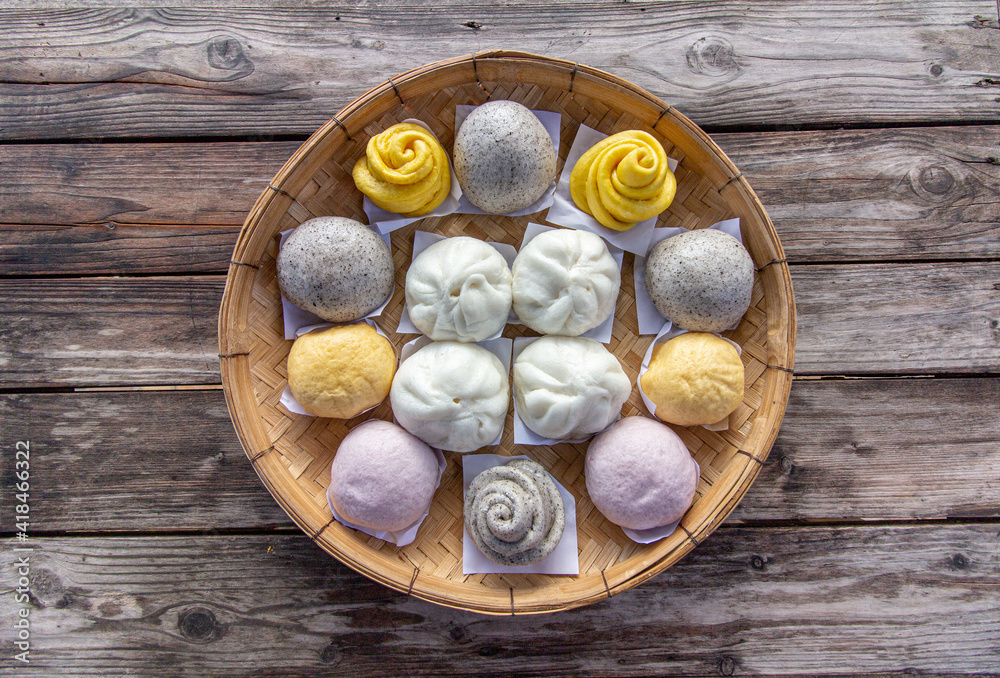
565 282
458 289
453 396
568 387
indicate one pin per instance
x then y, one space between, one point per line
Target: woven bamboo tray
292 453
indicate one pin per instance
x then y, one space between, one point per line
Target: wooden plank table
134 141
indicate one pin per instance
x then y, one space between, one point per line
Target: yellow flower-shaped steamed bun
405 171
341 371
693 379
623 180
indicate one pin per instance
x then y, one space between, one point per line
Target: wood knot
226 54
330 654
758 563
458 633
786 464
936 70
712 56
727 666
959 562
198 624
936 179
46 588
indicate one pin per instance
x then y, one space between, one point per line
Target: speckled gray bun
335 267
504 158
700 280
514 513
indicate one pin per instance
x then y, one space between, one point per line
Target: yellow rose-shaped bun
623 180
405 171
693 379
341 371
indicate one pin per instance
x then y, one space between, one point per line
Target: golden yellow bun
405 171
341 371
623 180
693 379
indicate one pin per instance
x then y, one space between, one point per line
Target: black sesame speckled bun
335 267
700 280
504 158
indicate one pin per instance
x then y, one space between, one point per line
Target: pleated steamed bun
458 289
451 395
568 387
565 282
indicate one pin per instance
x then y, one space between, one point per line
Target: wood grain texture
868 195
882 449
858 195
769 602
114 249
863 319
108 331
137 460
169 183
125 72
902 319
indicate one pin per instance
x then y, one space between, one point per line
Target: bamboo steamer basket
291 454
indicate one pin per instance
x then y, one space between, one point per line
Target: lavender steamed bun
640 474
382 478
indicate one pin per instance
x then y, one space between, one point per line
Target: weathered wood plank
868 195
168 183
859 195
108 331
885 449
896 319
904 319
115 249
138 460
147 72
768 602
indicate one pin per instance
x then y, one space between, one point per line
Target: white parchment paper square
424 239
650 320
602 332
397 537
387 222
297 321
499 347
565 212
552 122
288 400
668 332
563 560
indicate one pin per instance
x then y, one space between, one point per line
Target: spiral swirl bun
514 513
405 170
623 180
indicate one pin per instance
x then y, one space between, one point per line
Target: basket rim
740 472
